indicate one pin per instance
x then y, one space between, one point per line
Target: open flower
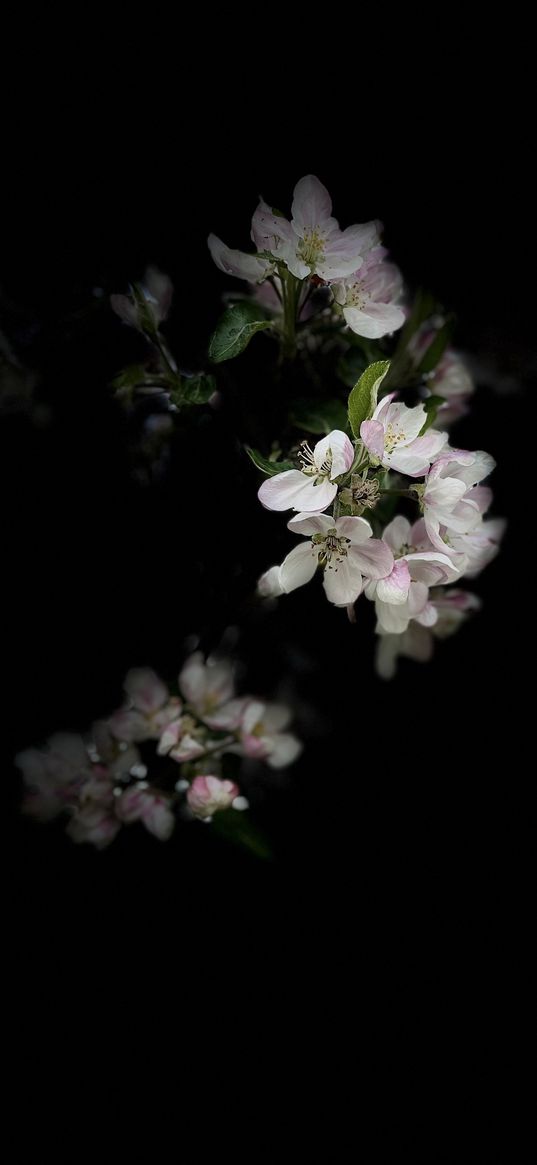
451 499
416 642
259 727
54 775
403 595
369 297
312 243
209 795
206 685
345 550
313 487
149 709
150 807
392 438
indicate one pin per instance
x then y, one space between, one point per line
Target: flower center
311 246
330 548
309 465
356 296
393 436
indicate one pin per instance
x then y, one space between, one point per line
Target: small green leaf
235 329
319 416
266 466
431 406
363 398
197 390
237 828
436 348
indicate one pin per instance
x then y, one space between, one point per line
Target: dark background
402 826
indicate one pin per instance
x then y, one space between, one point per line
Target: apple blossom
312 243
369 297
54 775
149 806
150 707
206 685
238 263
259 729
416 642
403 594
392 438
343 547
208 795
313 487
450 499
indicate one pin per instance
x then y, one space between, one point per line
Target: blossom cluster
311 248
105 781
396 570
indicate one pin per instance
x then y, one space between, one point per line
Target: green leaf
319 416
237 828
431 406
235 329
197 390
266 466
363 398
437 347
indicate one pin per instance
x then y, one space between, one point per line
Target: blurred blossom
208 795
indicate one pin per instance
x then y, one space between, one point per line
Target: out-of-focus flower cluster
159 755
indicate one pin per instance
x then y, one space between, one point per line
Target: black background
402 826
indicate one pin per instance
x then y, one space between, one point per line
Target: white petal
285 750
295 490
342 452
343 582
312 204
299 566
309 524
357 529
375 320
374 558
237 263
397 533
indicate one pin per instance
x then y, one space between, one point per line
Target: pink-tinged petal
309 524
188 749
443 492
381 410
414 459
397 533
295 490
312 204
417 599
209 794
361 237
341 449
237 263
482 464
395 586
357 529
269 585
337 264
145 689
271 232
432 567
372 434
170 737
299 567
482 496
342 581
374 558
285 749
374 320
157 817
409 422
370 588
